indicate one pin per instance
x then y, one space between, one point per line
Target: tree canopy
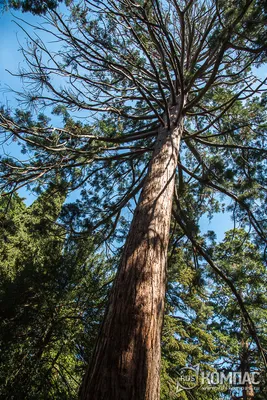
128 62
141 74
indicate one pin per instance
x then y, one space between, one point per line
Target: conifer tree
242 261
52 293
34 6
176 99
187 340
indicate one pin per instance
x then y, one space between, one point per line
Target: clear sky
11 58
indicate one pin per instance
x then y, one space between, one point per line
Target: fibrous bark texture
126 361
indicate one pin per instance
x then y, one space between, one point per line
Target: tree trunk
126 360
248 391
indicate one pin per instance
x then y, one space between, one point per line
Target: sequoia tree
148 76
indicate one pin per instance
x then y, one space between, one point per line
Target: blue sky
11 58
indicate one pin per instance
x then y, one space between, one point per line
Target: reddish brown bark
126 362
248 390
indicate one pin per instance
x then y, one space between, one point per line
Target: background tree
52 294
241 260
156 73
34 6
187 340
203 325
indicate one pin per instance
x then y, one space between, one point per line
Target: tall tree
156 72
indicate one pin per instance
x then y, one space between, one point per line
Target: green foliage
125 65
187 339
52 293
203 325
241 260
35 6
